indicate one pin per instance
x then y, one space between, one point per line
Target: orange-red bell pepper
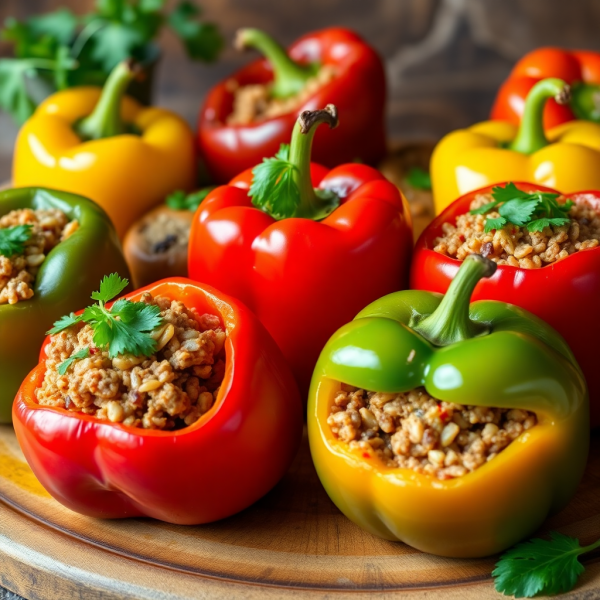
221 464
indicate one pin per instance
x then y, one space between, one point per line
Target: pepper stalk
105 121
531 136
289 78
282 186
450 322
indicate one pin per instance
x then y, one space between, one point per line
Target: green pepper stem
105 121
289 78
312 205
586 101
450 322
531 136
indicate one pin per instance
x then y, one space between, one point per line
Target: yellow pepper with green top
482 354
566 157
104 145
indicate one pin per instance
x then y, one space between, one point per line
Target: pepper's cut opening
415 431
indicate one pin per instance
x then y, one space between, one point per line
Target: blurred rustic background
445 58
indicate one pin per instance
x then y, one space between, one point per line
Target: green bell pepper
64 283
484 354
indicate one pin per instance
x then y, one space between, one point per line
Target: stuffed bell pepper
566 157
173 402
303 247
104 145
54 247
454 428
579 68
246 117
546 248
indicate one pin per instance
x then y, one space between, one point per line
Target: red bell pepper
579 68
358 89
304 278
214 468
564 294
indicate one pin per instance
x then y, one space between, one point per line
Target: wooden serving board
293 543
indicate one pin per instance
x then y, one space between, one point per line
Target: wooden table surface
293 543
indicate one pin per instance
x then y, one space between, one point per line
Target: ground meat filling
415 431
252 103
165 233
17 272
169 390
515 246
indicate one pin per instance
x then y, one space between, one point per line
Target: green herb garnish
123 329
540 566
273 187
60 49
179 200
418 178
13 239
533 210
64 366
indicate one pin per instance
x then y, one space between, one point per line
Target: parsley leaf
123 329
13 239
14 96
518 211
64 366
492 224
541 224
64 323
179 200
508 192
418 178
541 566
202 41
110 286
534 210
273 188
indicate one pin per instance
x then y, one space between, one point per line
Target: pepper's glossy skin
554 293
64 283
302 278
521 363
126 174
189 476
577 68
358 90
469 159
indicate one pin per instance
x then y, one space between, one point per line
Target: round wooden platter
293 543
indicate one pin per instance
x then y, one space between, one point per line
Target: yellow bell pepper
103 145
566 157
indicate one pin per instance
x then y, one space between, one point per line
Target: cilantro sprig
80 354
541 567
123 329
273 188
180 200
533 210
13 239
60 49
418 178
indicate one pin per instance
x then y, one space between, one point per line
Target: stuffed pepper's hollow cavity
413 430
46 229
516 246
169 390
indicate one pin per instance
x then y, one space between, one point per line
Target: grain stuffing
515 246
169 390
49 227
412 430
254 103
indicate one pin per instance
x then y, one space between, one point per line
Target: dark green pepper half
64 283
